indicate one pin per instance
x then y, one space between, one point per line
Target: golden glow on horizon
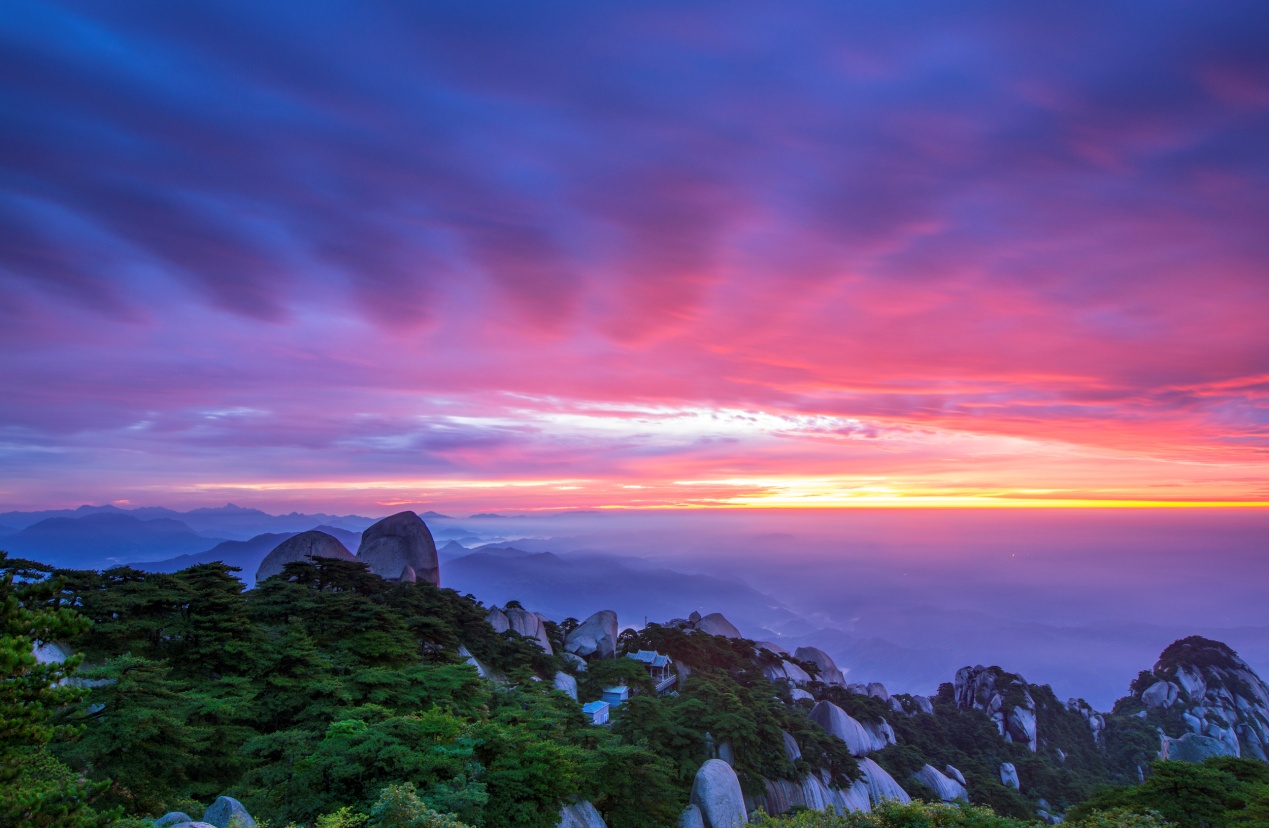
766 492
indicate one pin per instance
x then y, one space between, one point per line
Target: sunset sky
345 256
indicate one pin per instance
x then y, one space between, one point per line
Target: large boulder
580 814
227 812
691 818
566 684
597 636
172 818
829 674
497 619
944 788
530 625
397 542
860 739
1195 748
788 672
1009 776
881 785
716 791
716 624
302 547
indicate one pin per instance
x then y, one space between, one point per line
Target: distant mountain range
224 522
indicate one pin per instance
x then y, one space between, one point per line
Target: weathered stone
791 749
1021 727
172 818
985 688
878 691
408 575
497 619
596 636
954 774
691 818
397 542
529 625
944 788
829 674
772 647
716 624
227 812
1160 694
923 704
1009 775
302 547
1194 748
798 694
860 739
787 672
580 814
716 791
881 785
566 684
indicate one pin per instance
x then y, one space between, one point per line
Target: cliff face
1206 700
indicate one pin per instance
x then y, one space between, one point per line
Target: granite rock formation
580 814
1222 704
1003 696
596 636
829 674
227 812
716 792
396 542
304 546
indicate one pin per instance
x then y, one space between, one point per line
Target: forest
330 697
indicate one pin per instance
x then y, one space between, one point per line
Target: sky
508 256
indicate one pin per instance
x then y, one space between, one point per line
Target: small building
596 711
617 696
660 667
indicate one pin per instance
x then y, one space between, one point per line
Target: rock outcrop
946 789
522 622
1096 721
596 636
880 785
301 547
716 624
782 795
1004 697
1009 775
860 739
954 774
1193 747
829 674
1223 704
580 814
716 792
691 818
566 684
227 812
172 818
787 671
396 542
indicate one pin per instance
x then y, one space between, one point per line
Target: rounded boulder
302 547
400 541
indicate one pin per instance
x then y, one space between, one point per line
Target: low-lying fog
1081 600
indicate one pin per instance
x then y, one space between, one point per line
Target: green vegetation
329 697
1222 792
